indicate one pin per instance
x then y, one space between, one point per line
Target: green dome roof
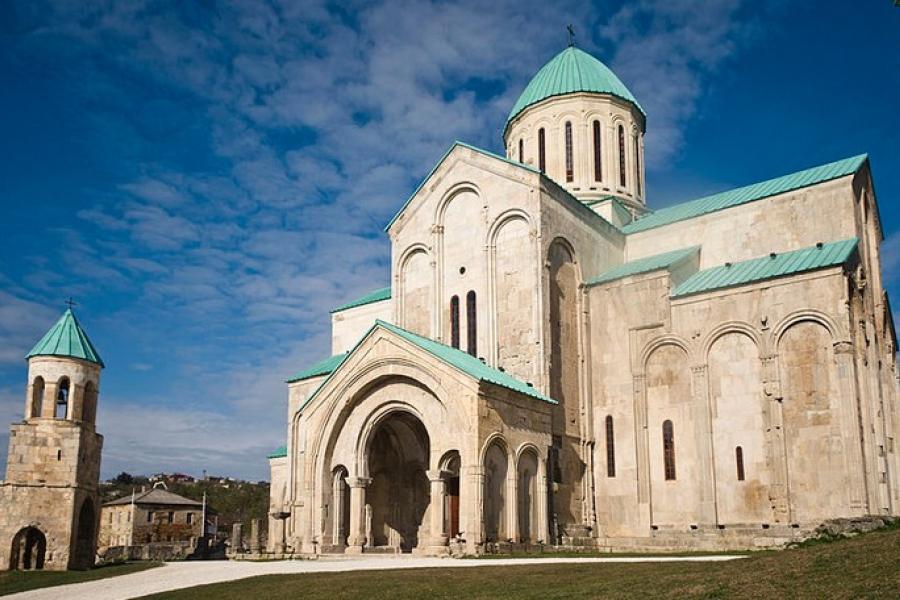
66 338
570 71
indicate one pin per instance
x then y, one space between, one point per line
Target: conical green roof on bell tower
67 338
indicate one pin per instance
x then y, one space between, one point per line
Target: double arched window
542 144
598 154
570 166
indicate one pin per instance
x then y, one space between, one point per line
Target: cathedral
554 362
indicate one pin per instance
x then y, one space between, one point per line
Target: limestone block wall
776 224
768 369
348 326
53 451
279 503
48 508
46 373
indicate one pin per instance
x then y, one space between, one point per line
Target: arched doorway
29 547
398 496
496 466
527 488
450 472
84 541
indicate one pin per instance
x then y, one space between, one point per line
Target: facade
49 500
156 515
555 363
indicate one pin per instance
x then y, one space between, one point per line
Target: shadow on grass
12 582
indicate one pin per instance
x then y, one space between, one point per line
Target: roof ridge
738 196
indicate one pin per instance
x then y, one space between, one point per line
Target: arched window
521 150
598 152
739 460
669 450
621 156
62 399
454 321
471 324
570 167
37 397
610 448
637 162
542 162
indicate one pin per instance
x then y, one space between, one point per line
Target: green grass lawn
12 582
866 566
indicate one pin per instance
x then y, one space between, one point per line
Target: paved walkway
178 575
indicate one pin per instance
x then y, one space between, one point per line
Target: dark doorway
84 541
29 547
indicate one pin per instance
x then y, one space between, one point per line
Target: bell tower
49 501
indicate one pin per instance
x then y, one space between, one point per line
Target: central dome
571 71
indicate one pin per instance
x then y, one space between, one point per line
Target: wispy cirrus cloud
258 149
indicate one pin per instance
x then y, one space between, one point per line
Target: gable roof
456 144
323 367
66 338
730 275
572 70
462 361
279 452
373 296
156 496
749 193
645 265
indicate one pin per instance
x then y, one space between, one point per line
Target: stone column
237 536
541 491
254 536
438 539
48 405
337 510
357 534
512 502
472 506
850 426
778 489
642 442
708 509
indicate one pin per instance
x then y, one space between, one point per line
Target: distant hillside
232 500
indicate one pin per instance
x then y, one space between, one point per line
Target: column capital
358 482
436 475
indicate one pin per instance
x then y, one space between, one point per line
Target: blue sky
207 179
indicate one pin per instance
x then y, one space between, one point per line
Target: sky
207 179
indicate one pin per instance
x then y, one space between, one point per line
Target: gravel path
177 575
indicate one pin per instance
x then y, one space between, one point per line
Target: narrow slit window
542 159
521 151
598 152
610 448
739 461
454 321
669 450
621 156
471 324
637 163
570 167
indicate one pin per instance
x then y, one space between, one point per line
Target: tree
123 478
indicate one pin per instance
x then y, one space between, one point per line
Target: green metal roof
443 158
67 338
466 363
280 452
571 71
374 296
743 195
729 275
323 367
645 265
458 359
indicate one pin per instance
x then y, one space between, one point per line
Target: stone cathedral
554 362
49 501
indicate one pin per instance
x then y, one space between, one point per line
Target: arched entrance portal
398 496
84 541
29 547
